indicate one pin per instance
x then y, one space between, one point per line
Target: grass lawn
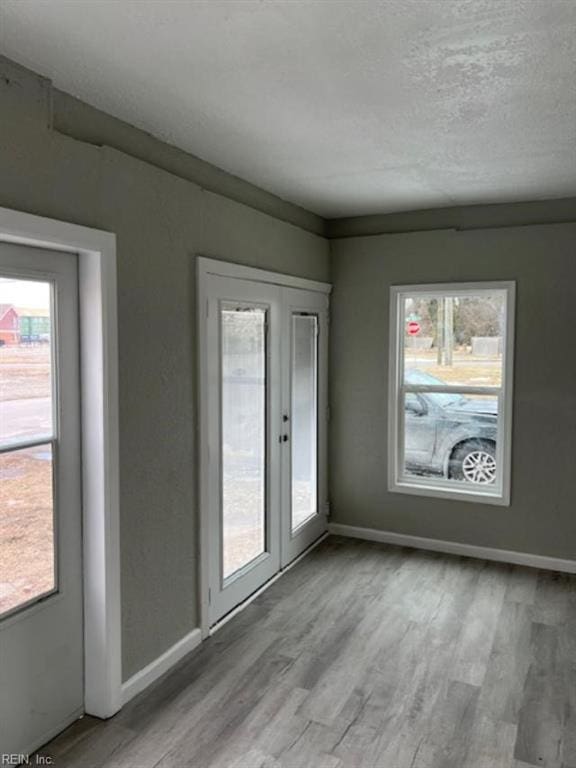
465 369
26 529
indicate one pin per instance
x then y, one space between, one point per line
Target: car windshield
443 399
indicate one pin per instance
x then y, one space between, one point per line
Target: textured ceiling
344 107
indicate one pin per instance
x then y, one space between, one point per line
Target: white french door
264 364
243 368
41 630
304 502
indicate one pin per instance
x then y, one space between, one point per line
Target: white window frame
498 494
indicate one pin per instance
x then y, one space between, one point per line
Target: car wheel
474 462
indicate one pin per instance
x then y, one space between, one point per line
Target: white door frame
96 251
205 267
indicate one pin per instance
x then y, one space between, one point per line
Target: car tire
474 461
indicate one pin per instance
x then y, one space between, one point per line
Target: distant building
9 325
33 327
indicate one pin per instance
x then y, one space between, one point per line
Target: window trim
442 488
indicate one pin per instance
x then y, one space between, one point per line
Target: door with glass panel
304 419
41 634
265 361
243 376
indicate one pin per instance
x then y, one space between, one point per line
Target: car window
441 399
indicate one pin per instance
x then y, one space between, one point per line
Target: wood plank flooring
363 656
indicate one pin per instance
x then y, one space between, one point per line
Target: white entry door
264 428
41 633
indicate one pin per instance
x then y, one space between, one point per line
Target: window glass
26 526
27 539
454 339
243 435
25 360
451 437
304 418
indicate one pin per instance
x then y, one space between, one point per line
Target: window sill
440 491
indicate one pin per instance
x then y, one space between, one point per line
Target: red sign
413 328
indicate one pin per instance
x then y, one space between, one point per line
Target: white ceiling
342 106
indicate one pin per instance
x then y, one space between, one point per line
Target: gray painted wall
161 221
541 518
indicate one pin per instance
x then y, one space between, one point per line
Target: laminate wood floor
364 655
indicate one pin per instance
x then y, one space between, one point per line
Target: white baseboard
146 676
142 679
455 548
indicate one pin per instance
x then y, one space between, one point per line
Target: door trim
204 268
240 272
96 251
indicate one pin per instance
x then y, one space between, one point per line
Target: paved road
25 418
431 362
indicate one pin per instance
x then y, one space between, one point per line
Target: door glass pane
304 418
454 339
25 360
451 436
243 435
26 526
